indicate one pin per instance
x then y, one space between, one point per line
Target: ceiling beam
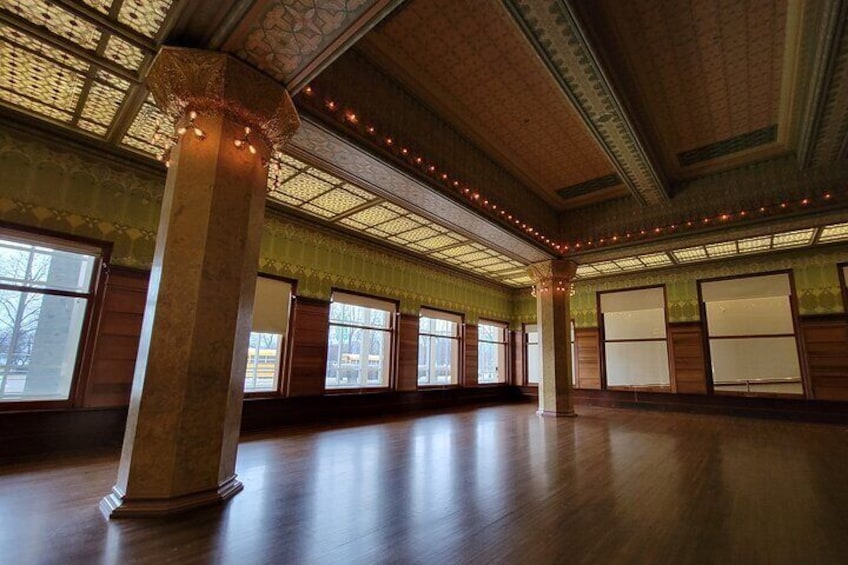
560 40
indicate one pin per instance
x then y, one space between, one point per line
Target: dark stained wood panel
116 338
407 378
310 331
688 362
519 371
471 356
588 351
826 345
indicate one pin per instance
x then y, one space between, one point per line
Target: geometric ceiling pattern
75 64
807 237
310 190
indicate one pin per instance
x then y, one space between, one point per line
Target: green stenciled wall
65 191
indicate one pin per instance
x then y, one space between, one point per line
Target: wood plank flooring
495 484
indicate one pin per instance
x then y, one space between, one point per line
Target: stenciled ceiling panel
285 38
475 66
710 78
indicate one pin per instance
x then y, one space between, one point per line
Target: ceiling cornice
558 37
825 27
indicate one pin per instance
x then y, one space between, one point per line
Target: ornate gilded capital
183 80
556 270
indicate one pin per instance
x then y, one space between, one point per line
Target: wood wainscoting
472 353
688 369
587 347
307 369
825 342
116 336
407 370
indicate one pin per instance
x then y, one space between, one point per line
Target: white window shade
751 287
439 315
364 301
629 300
635 324
640 363
845 274
753 316
271 306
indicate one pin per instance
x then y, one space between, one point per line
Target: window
360 342
267 338
491 353
573 356
438 348
45 292
844 270
635 343
531 332
751 333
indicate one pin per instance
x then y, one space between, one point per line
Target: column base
117 505
554 414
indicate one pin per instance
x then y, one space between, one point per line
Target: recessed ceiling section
713 79
479 71
318 193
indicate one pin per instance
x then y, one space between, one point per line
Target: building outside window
267 338
635 339
751 335
438 348
360 342
491 352
531 353
46 288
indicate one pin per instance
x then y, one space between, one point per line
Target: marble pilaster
182 430
552 281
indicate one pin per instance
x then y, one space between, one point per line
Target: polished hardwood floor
495 484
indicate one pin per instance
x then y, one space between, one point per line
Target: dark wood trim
750 336
525 342
844 284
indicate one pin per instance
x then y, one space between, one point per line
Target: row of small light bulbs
350 117
191 126
756 212
353 119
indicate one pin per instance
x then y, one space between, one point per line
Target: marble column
182 430
552 280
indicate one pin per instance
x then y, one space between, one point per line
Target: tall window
267 338
635 342
531 333
360 342
438 348
751 334
491 352
45 291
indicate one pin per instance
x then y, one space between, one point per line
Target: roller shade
845 274
271 306
752 287
436 314
363 301
630 300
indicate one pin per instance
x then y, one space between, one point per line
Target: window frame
793 307
505 343
602 345
460 344
284 360
843 282
81 373
525 344
391 365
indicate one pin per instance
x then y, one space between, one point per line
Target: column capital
558 270
186 80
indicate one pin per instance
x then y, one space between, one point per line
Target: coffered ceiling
581 119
